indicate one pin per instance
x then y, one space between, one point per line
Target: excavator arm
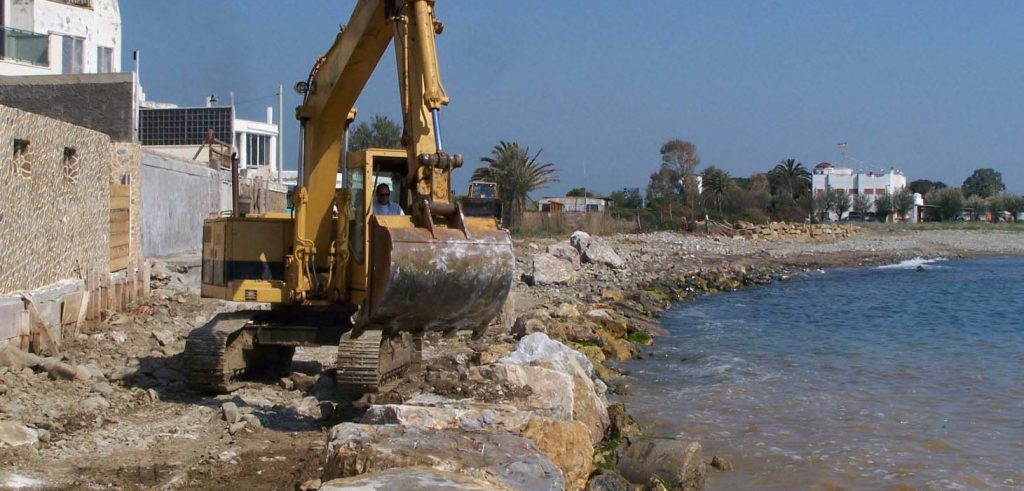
430 270
434 268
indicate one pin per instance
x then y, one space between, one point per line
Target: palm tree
517 174
793 176
714 187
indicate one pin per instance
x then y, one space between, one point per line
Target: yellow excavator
333 271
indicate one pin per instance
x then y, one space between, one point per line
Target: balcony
76 3
24 46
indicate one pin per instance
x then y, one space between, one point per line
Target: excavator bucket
441 280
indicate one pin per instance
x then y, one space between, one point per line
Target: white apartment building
53 37
871 184
182 132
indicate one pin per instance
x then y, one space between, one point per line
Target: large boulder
609 482
622 423
588 392
595 251
567 444
14 434
421 478
677 462
533 321
601 253
498 418
580 240
550 270
552 393
566 251
507 461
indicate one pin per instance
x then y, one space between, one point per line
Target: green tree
791 180
861 204
680 158
983 182
884 205
823 203
924 186
621 199
579 193
716 183
841 203
381 132
903 202
517 174
948 203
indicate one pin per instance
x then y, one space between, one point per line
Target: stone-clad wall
54 218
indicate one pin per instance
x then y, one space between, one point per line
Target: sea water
899 377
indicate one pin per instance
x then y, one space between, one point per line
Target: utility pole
280 132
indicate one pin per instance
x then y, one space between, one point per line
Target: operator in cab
383 204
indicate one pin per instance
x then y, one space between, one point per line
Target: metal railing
25 46
76 3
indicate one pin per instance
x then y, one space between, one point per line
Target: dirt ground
139 427
134 424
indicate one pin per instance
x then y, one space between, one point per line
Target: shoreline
132 423
725 265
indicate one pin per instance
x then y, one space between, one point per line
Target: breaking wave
914 263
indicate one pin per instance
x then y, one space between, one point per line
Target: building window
257 150
104 59
22 158
70 165
184 126
73 50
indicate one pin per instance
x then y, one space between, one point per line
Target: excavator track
372 363
213 356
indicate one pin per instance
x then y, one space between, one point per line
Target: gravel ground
137 428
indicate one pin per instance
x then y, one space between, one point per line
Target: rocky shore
531 406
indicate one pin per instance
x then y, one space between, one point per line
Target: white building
183 132
53 37
573 204
871 184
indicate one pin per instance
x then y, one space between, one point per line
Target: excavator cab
465 267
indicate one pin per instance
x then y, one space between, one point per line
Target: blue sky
932 88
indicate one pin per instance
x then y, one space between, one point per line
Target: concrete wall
101 102
176 197
54 216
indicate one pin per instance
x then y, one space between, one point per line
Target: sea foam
914 263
